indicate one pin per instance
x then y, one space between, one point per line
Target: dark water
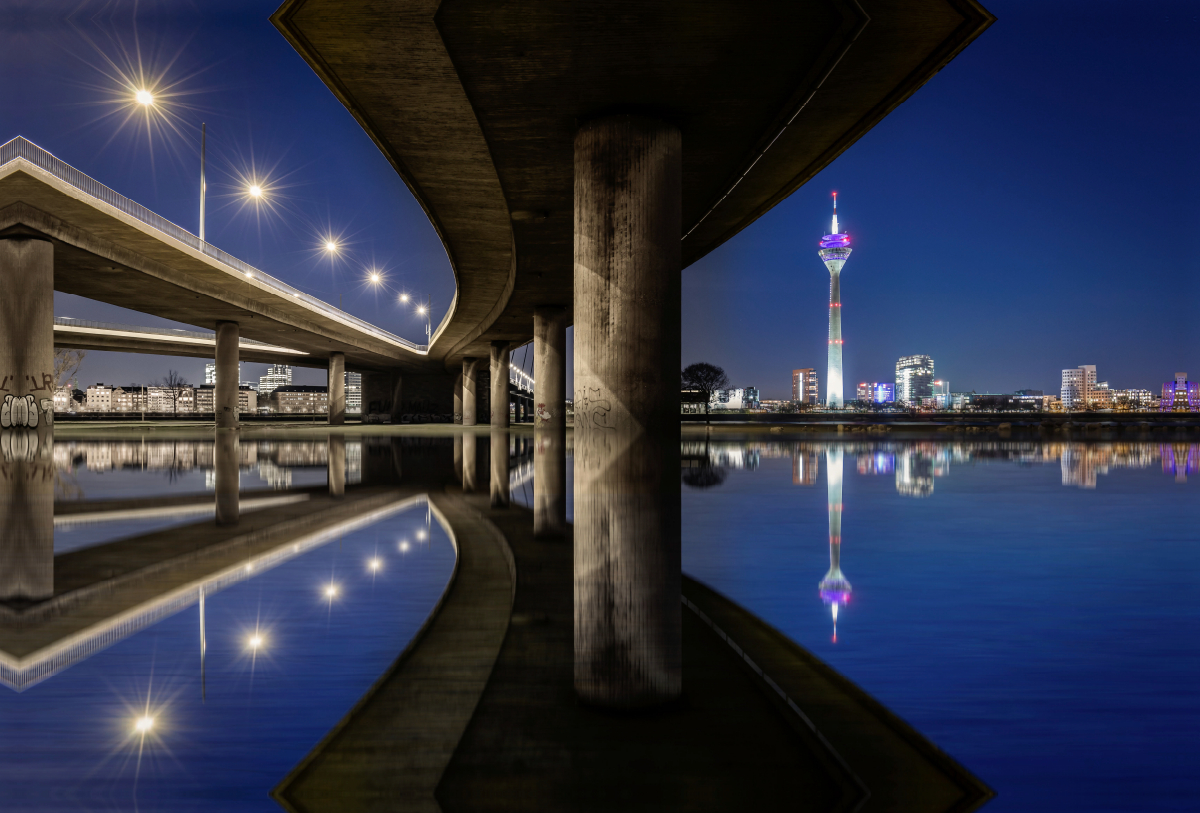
1034 609
222 735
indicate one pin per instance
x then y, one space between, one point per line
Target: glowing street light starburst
144 98
143 724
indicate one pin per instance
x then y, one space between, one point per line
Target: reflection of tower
835 248
834 589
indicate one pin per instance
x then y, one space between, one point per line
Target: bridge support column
225 394
549 421
27 336
337 389
470 382
458 398
498 382
627 344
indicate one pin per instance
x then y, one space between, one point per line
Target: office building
1077 387
738 398
300 398
835 249
883 392
354 393
278 375
1133 399
1180 395
864 392
914 379
805 388
941 394
203 403
210 374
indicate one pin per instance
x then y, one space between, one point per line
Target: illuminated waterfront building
834 588
1180 395
278 375
882 392
805 386
941 394
864 392
835 249
1077 387
914 379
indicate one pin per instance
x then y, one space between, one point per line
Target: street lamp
255 190
144 98
423 310
331 246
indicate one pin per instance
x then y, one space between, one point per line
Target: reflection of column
498 381
499 479
337 465
458 457
549 421
468 462
834 589
627 344
225 394
470 383
26 515
227 456
337 389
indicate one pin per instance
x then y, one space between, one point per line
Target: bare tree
174 384
705 379
66 364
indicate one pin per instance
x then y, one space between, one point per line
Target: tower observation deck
835 249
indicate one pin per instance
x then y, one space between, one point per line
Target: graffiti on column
592 427
19 411
544 413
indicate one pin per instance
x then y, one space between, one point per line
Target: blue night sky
1031 208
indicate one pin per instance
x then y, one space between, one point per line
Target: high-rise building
354 392
864 392
914 379
805 387
835 249
1077 387
210 374
278 375
883 392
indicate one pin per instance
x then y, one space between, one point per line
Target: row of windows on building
293 398
1080 390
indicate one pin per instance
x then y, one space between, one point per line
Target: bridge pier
549 421
27 335
628 623
498 381
225 394
458 398
470 383
337 389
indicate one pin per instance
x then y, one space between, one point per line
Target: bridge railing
21 147
67 321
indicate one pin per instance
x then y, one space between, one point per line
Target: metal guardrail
22 148
158 331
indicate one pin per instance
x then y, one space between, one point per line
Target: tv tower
835 248
834 588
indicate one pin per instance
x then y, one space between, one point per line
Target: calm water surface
225 731
1034 609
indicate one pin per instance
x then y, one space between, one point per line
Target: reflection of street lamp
255 191
144 98
331 246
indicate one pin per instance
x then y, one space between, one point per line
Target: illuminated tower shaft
834 588
835 248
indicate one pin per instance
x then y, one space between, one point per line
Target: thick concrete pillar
458 398
226 462
337 465
469 462
499 468
498 381
470 382
27 336
549 421
225 395
337 389
627 345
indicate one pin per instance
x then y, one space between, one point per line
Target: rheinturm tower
835 248
834 588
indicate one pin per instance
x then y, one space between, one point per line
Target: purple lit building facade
1180 395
